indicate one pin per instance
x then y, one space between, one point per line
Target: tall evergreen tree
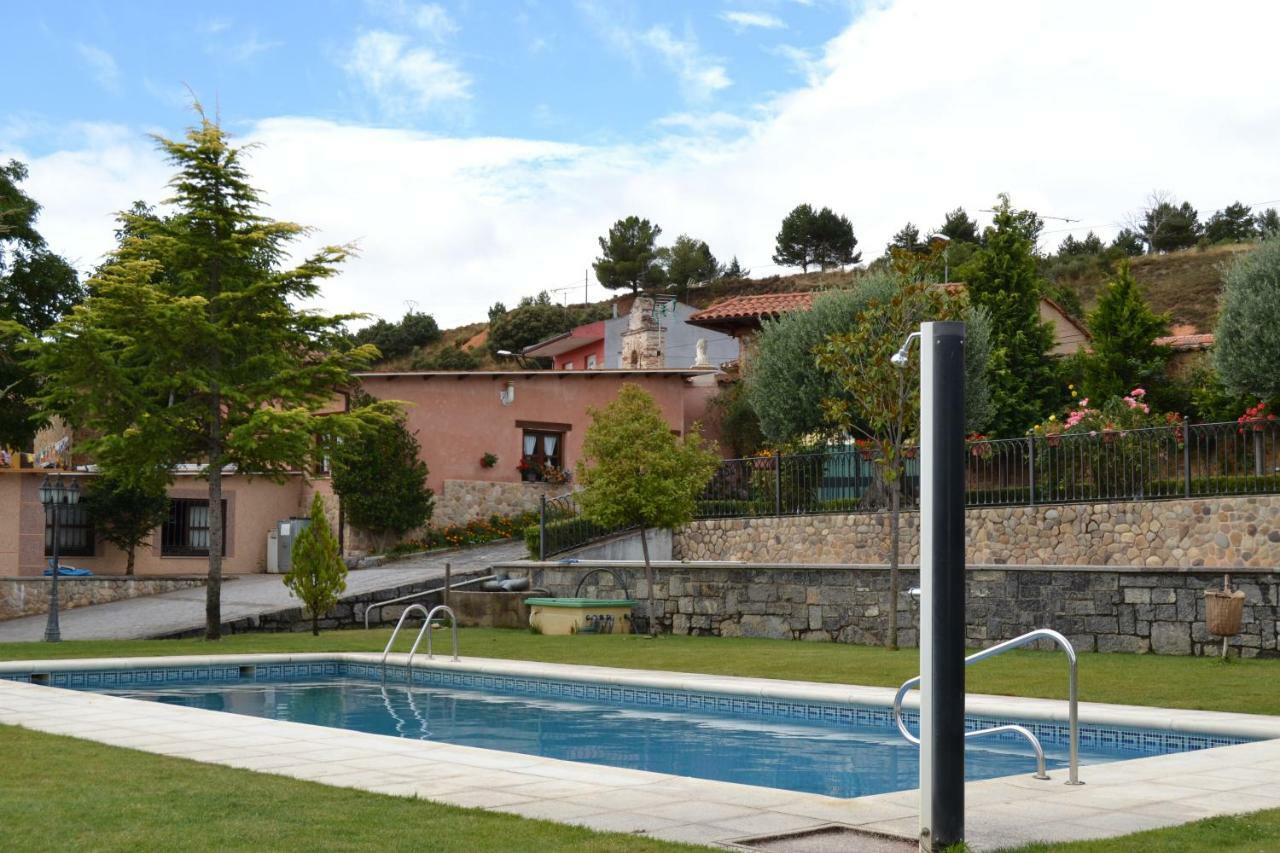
629 256
689 260
834 243
189 347
959 228
1233 224
907 238
1267 223
1003 278
318 575
37 287
1127 244
796 244
1167 227
736 270
1124 329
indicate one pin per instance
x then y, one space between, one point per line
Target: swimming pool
831 748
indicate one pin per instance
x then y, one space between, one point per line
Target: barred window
185 533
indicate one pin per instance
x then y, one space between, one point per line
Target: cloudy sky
475 149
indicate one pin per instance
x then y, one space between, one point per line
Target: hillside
1184 284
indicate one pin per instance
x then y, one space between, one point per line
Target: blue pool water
829 757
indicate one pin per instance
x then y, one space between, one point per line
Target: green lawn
60 793
1247 686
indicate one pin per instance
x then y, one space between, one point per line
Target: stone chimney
643 341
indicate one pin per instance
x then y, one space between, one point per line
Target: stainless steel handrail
386 651
1073 770
422 594
426 629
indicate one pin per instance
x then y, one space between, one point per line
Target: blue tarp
67 571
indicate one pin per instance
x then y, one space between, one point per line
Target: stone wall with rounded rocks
29 596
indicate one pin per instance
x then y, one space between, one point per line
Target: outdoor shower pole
942 566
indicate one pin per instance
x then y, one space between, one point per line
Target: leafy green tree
689 260
634 472
783 385
318 576
880 401
834 243
1233 224
735 270
382 480
1167 227
448 358
1003 278
1127 244
1268 223
796 242
398 339
959 228
908 238
1124 329
629 256
37 287
1090 244
496 311
125 509
1246 349
190 347
531 321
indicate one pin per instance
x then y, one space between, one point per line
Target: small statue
700 354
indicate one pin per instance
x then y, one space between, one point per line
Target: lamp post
55 492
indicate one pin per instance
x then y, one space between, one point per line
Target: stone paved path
252 595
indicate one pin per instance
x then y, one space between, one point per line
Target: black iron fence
1176 461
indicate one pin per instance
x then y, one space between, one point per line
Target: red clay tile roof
749 310
1186 343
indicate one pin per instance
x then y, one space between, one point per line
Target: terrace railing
1176 461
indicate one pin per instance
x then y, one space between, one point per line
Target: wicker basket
1225 610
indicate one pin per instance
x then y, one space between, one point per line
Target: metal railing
561 526
436 590
1175 461
1073 772
428 615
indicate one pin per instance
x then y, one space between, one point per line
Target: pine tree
318 575
629 256
1124 329
795 245
1003 278
1233 224
959 228
190 347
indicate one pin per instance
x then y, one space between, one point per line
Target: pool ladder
428 615
1073 771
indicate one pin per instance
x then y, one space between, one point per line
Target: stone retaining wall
462 500
347 613
1099 608
1210 532
30 596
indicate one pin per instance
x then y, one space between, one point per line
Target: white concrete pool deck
1118 798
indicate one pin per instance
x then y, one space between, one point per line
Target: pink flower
1138 392
1084 402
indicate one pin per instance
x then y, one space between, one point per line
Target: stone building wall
1209 532
463 500
30 596
1126 609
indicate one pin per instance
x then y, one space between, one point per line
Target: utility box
280 544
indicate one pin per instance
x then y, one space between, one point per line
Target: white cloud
249 47
700 76
103 65
404 79
433 19
1067 116
761 20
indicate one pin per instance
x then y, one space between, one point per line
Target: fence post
777 484
1186 456
1031 470
542 527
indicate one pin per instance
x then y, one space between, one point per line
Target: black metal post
52 631
1186 454
1031 470
777 484
542 527
942 574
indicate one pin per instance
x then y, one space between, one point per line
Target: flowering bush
474 532
1095 450
1255 418
555 474
979 445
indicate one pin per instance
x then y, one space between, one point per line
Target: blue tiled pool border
1139 741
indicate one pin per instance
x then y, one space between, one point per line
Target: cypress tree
1124 330
318 574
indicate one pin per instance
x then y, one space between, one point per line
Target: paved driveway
252 595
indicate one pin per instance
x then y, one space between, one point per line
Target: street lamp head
73 492
899 359
54 490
